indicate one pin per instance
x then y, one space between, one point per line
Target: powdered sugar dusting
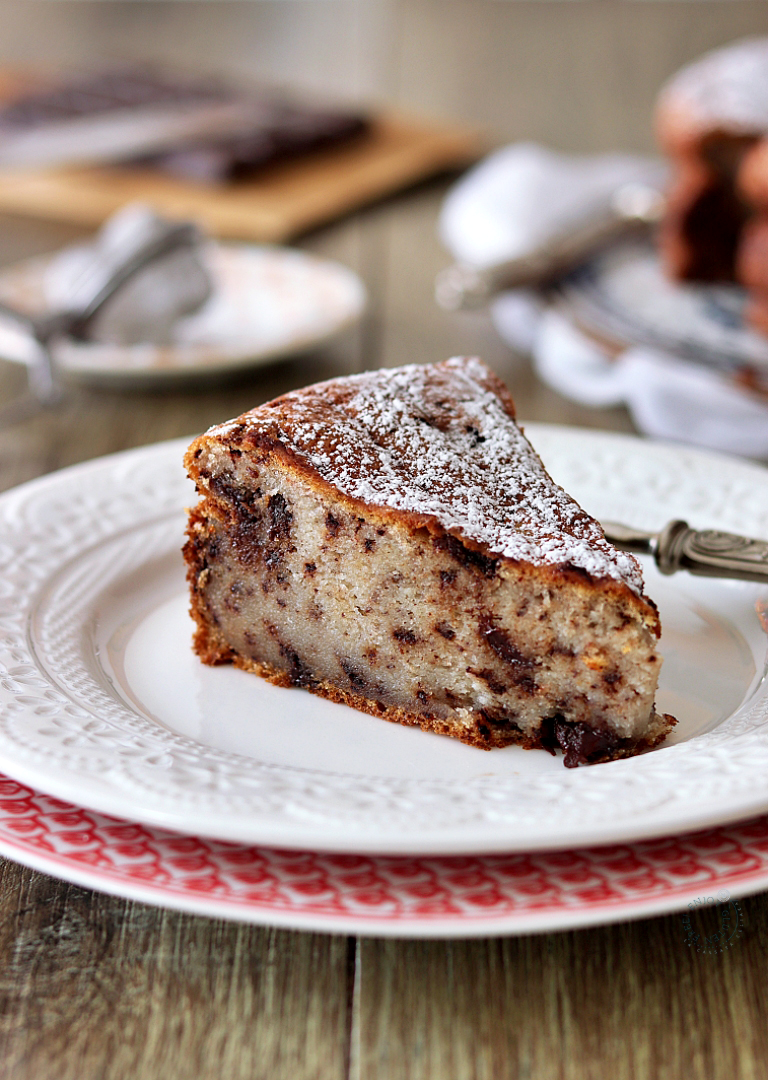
727 86
437 441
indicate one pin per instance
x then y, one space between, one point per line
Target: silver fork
97 285
706 552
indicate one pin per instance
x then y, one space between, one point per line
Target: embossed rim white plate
98 685
269 303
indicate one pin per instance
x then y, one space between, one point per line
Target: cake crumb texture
392 542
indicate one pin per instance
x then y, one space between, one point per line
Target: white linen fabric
512 203
668 398
523 196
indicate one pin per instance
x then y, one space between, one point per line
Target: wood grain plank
629 1002
92 986
95 987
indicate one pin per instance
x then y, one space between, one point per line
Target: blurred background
576 76
581 75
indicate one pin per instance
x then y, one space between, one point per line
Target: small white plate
623 293
268 303
103 703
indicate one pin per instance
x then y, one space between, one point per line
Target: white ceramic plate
268 303
624 293
102 702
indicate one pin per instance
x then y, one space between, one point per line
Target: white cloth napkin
524 195
513 202
667 397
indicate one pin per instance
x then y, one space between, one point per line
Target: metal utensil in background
103 278
707 552
632 206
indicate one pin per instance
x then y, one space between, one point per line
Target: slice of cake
392 541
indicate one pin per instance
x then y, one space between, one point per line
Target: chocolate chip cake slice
392 541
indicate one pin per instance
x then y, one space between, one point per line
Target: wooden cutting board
277 204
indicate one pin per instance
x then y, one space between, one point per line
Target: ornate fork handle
707 552
711 553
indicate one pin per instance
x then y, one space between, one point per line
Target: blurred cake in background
275 129
712 121
197 127
250 162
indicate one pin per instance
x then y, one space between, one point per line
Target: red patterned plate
395 896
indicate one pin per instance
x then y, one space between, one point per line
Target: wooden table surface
97 987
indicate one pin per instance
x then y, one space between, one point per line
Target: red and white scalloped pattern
458 896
